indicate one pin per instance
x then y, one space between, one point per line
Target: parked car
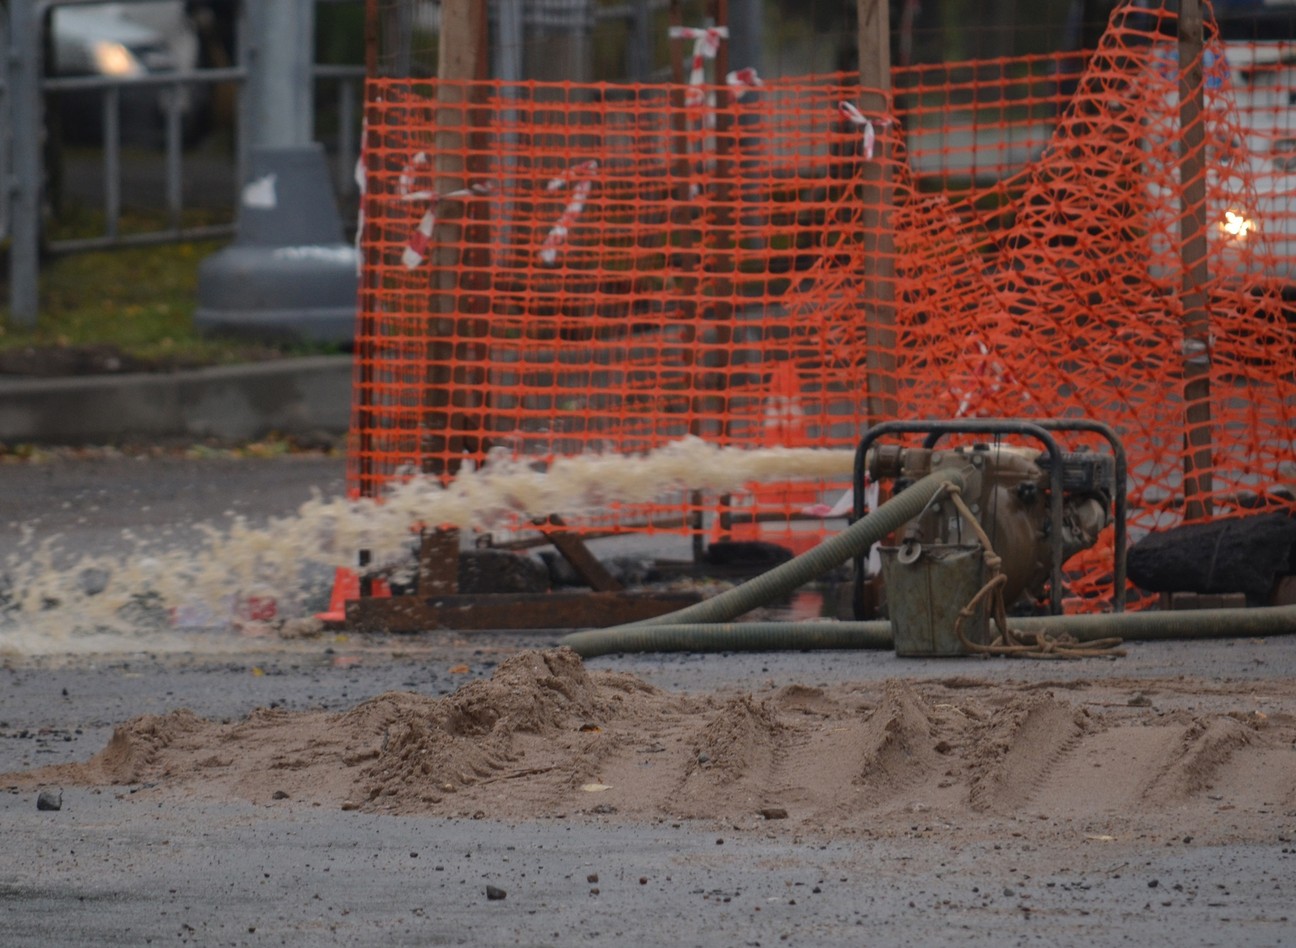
121 41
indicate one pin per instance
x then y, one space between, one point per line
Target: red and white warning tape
850 113
706 43
739 80
414 184
583 175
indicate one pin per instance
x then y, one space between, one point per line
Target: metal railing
173 148
24 85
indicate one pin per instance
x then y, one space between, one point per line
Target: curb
310 395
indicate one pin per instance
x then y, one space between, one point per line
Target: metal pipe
24 62
174 143
180 77
151 239
112 161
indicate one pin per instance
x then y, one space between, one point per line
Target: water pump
1024 510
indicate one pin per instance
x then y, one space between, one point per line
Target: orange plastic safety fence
551 269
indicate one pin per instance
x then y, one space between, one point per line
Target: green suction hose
783 579
826 634
731 637
827 556
1180 624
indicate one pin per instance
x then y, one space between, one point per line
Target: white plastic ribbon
583 175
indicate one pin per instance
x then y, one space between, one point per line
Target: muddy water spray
58 603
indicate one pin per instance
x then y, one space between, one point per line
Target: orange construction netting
552 269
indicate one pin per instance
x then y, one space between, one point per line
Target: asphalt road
117 866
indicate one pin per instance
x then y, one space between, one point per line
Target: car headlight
114 59
1236 225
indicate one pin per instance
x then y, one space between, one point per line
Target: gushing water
148 594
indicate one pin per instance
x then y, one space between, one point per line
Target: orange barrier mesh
552 269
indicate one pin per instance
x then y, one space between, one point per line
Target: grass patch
138 302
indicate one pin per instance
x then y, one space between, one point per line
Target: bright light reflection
1238 226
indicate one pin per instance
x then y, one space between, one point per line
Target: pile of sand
545 738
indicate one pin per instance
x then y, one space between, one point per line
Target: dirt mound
1017 747
546 738
136 748
899 743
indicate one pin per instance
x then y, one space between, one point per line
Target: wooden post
1198 436
457 379
877 197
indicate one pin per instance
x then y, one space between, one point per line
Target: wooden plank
574 551
510 611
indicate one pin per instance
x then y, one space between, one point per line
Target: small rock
1008 892
1140 700
279 795
704 758
49 800
774 813
301 628
495 894
592 878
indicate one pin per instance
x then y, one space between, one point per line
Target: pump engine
1021 514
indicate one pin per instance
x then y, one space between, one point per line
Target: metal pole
283 76
508 50
639 60
746 34
112 160
174 159
25 48
1198 435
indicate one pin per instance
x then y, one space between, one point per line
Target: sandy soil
1087 760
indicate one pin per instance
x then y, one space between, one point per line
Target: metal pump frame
1041 429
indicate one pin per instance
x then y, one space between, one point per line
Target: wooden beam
877 195
1198 437
455 382
505 611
